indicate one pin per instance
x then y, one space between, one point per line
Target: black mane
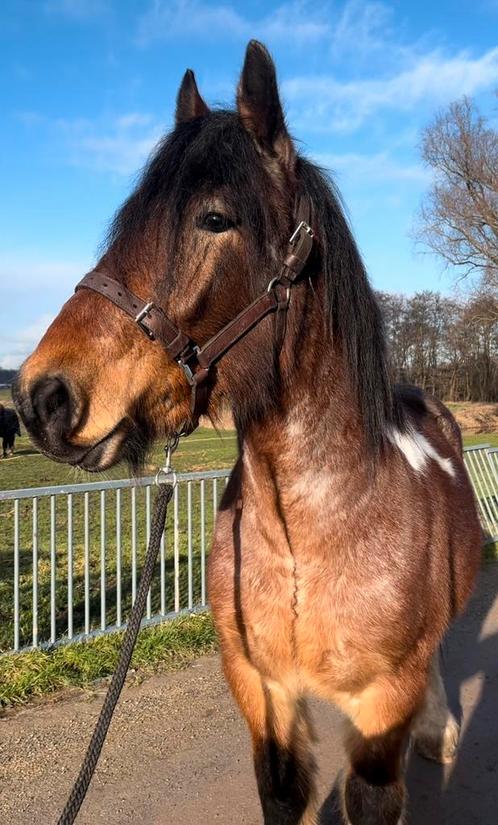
216 152
353 311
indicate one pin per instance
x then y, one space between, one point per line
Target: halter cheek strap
197 361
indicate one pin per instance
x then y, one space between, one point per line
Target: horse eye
216 222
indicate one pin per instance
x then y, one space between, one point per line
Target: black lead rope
92 755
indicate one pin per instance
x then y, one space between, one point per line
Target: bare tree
459 216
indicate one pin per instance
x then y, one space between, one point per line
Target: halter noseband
196 361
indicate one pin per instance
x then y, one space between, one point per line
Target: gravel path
178 752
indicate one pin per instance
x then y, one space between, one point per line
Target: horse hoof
439 745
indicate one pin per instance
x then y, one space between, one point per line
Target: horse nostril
53 402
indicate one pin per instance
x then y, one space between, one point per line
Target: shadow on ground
466 792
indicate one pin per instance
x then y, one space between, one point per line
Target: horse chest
272 593
298 609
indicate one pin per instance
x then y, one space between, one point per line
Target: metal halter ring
278 280
167 470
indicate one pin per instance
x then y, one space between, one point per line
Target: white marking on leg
418 450
435 729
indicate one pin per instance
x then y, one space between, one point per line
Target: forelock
199 157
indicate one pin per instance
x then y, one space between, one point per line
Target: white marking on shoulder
418 450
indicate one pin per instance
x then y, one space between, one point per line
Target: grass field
470 440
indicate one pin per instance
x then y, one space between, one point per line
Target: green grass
481 438
171 645
204 450
34 673
490 550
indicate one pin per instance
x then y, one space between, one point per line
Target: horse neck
313 432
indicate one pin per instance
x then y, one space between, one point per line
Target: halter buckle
301 227
143 314
183 361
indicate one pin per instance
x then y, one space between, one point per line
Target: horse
9 428
347 539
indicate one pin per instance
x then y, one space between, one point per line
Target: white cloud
119 145
293 22
361 29
15 349
25 284
377 168
297 22
323 103
30 118
20 274
358 29
385 71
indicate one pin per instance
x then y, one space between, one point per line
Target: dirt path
178 752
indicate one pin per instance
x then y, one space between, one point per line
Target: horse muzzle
52 412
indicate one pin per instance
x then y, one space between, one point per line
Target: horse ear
259 104
189 103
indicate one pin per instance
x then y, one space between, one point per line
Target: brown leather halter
197 361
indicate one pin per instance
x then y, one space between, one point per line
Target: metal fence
482 466
71 556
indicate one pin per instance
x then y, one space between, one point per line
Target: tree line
447 346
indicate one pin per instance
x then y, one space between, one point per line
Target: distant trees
7 376
459 215
448 347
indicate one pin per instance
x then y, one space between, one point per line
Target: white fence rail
71 556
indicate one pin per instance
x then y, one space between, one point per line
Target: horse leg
435 729
374 791
381 717
281 735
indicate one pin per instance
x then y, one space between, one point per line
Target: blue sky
88 86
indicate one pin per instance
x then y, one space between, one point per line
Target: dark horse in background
9 428
348 538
